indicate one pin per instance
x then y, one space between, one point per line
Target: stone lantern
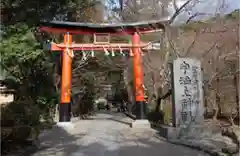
6 95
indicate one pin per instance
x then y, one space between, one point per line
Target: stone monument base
170 132
140 124
65 125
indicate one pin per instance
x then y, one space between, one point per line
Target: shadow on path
106 137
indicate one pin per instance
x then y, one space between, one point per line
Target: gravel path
107 135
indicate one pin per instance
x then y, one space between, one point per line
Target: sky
210 7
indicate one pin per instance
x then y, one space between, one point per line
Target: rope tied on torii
69 52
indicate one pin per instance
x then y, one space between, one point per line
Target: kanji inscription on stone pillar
188 92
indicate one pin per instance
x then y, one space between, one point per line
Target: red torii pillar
66 81
141 105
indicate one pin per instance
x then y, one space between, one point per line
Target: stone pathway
107 135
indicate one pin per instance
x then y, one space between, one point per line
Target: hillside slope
216 43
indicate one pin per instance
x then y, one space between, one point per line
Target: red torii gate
73 28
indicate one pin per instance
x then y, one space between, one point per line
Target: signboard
188 92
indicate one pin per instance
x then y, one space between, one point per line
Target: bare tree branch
178 10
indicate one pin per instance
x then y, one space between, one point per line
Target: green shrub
19 122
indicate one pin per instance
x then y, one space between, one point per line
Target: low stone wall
207 137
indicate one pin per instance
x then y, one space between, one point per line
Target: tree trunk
218 98
236 84
217 109
213 97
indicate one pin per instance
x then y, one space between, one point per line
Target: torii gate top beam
90 28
